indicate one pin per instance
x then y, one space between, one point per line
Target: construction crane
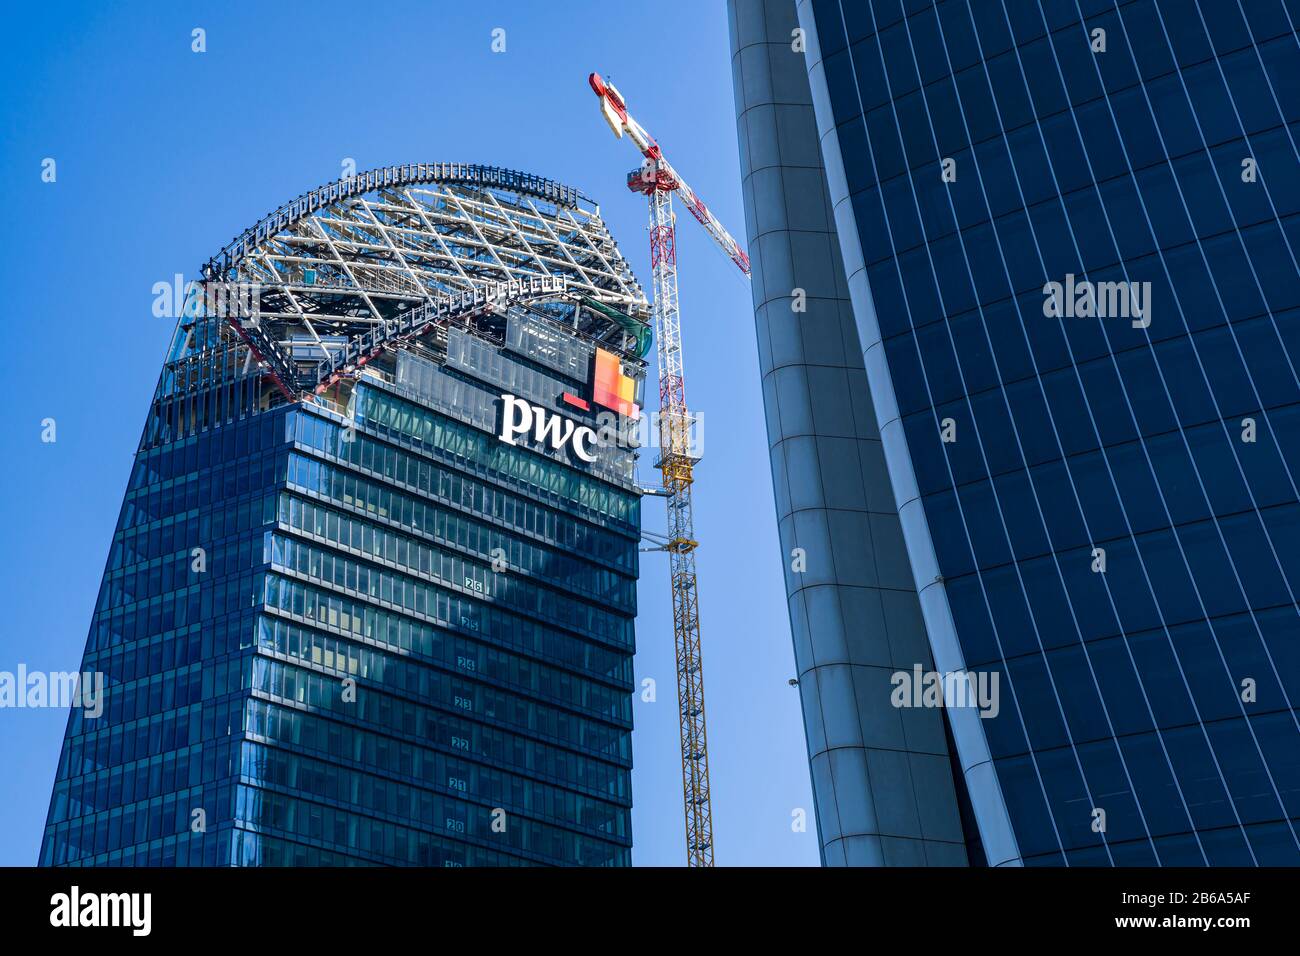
657 180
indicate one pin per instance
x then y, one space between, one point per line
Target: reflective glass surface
385 637
1111 492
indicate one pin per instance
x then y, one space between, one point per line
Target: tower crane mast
657 180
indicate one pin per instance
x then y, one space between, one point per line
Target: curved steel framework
346 270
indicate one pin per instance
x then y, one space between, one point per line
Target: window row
365 795
166 817
374 711
1216 781
1230 278
141 780
506 553
459 694
463 493
1138 682
100 745
1160 205
1204 569
1215 373
452 652
599 503
279 815
425 766
451 573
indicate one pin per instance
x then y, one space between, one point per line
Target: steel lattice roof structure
344 272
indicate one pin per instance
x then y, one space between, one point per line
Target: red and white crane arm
657 169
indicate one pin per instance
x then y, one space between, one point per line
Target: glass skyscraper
1027 293
371 596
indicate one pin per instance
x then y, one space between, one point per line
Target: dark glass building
371 596
1064 245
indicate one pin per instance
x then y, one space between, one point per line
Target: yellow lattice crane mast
657 180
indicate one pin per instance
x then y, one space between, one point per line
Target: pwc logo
519 417
610 389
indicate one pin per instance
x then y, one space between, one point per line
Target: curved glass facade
1069 231
346 562
354 626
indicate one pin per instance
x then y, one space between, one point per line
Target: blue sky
164 154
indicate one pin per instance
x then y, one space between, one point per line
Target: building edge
986 797
886 790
